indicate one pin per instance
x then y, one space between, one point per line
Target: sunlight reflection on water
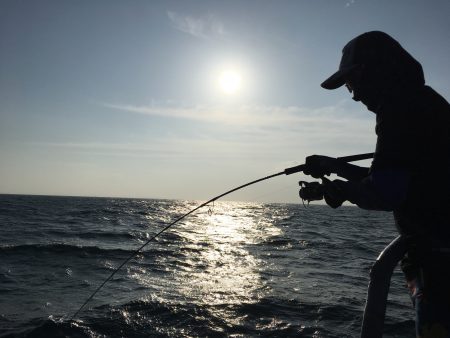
226 272
210 262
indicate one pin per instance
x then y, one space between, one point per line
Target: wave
49 328
313 270
72 250
267 317
144 318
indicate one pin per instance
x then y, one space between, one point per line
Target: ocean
236 269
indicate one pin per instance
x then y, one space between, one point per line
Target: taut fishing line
287 171
165 229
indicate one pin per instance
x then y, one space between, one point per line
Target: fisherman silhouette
410 169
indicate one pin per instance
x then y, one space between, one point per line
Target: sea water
236 269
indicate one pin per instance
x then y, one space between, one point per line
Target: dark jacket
409 173
413 129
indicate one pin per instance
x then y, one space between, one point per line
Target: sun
230 81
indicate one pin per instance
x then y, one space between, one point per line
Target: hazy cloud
246 115
205 27
241 115
267 128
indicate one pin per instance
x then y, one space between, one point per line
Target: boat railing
377 293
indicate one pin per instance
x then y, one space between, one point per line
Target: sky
187 99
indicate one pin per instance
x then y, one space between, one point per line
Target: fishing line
165 229
287 171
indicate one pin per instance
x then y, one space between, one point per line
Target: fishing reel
311 191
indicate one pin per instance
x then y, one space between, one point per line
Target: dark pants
427 272
430 293
425 221
432 315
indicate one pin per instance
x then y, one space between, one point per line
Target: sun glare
230 81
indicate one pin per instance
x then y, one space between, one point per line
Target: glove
333 192
318 166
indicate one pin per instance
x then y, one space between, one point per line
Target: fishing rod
288 171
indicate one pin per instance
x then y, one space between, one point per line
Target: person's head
372 64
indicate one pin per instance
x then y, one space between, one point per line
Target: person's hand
310 191
333 192
318 166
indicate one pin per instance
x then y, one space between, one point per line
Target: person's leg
432 311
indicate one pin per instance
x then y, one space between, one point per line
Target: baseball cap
369 48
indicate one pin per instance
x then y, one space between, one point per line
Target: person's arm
377 189
349 171
383 190
319 166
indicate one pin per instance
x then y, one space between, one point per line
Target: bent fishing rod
288 171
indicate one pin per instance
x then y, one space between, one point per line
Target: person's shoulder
430 94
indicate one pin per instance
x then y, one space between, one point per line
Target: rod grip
293 170
359 157
351 158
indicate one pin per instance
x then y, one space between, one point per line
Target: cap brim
337 79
